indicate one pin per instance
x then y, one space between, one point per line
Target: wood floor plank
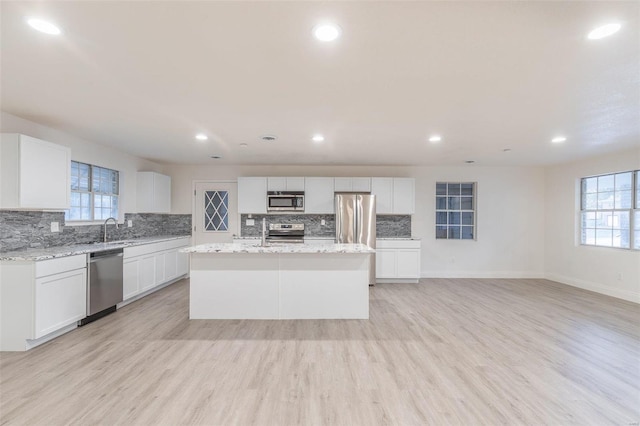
443 352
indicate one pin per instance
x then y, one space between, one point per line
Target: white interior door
215 212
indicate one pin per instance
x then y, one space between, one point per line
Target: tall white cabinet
153 193
34 174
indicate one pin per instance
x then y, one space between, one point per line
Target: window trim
635 207
448 211
92 193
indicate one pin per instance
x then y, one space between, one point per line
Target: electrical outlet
129 223
322 222
251 222
55 227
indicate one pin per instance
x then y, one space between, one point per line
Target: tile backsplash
32 229
387 226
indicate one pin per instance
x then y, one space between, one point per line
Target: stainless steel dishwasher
104 283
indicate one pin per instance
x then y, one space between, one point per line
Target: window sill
88 223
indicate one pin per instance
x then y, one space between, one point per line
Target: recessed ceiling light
469 161
43 26
326 32
202 137
604 31
269 138
317 138
506 150
558 139
244 145
435 139
216 157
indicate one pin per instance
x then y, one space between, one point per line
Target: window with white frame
455 210
609 210
94 193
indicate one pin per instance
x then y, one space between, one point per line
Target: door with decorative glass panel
215 217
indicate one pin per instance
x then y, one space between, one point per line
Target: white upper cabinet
318 195
34 174
394 195
252 195
352 184
153 193
285 184
404 195
382 188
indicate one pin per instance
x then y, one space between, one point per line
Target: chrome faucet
105 227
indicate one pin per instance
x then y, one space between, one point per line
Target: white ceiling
145 77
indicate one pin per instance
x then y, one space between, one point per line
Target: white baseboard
482 274
595 287
148 292
396 280
32 343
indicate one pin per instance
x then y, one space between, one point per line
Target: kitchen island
284 281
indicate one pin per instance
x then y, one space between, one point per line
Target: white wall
88 152
510 212
566 261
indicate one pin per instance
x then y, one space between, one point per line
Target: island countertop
279 248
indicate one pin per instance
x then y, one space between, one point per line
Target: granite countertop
63 251
279 248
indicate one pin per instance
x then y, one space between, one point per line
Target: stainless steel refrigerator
356 223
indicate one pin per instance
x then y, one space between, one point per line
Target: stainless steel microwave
285 201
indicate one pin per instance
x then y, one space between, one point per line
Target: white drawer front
398 244
61 264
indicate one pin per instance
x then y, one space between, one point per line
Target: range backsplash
387 226
32 229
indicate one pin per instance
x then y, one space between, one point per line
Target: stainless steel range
286 233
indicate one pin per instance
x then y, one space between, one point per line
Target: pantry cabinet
34 174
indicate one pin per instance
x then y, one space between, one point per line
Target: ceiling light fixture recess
244 145
435 139
558 139
604 31
326 32
202 137
216 157
317 138
469 161
43 26
269 138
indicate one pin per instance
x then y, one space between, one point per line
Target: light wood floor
443 351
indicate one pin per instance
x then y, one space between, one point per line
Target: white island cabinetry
288 281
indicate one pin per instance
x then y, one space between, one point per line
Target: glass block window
94 193
606 209
216 211
455 211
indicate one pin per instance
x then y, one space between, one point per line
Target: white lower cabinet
61 299
40 298
151 265
397 260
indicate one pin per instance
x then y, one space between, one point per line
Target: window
455 211
609 205
216 211
94 193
